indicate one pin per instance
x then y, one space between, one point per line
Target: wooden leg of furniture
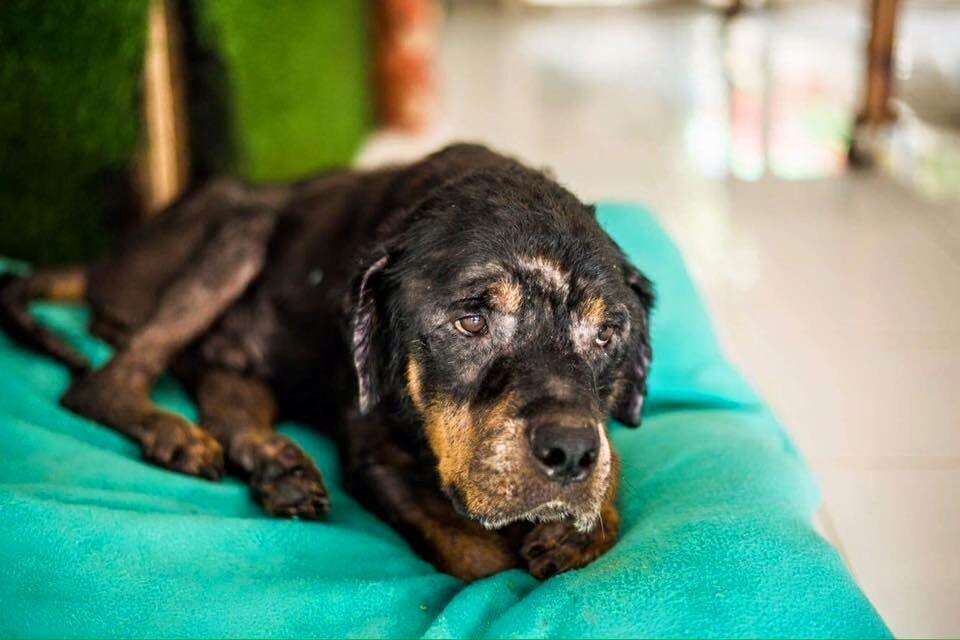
878 87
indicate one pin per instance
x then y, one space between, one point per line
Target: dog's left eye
471 325
604 336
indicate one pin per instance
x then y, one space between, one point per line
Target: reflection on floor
837 294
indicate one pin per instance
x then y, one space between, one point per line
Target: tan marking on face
549 271
480 452
455 430
593 310
449 431
415 384
506 296
498 435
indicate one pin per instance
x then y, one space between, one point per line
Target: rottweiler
461 326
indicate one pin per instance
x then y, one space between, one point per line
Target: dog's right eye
471 325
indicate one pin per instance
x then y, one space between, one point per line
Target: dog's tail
67 284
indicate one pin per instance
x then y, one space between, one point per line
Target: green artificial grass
281 90
297 95
69 122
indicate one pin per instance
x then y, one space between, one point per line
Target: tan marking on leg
69 286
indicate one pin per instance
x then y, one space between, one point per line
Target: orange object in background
405 33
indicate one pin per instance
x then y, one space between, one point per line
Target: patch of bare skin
502 330
548 271
559 388
502 327
583 333
588 319
486 270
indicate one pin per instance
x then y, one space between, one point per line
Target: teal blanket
716 538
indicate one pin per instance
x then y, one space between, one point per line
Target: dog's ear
364 330
629 404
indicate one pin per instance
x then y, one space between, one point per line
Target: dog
462 327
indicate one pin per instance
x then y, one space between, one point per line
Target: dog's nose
565 453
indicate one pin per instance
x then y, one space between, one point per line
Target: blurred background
804 154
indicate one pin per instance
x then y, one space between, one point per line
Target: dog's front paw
286 481
175 443
554 547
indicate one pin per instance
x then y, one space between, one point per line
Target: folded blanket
716 536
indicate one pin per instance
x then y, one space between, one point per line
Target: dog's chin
549 511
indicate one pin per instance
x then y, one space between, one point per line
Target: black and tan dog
461 325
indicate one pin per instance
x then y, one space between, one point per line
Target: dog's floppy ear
364 330
629 404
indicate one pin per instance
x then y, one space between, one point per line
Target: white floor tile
900 530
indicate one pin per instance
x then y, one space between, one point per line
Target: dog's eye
604 336
471 325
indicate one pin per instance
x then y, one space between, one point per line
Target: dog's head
512 326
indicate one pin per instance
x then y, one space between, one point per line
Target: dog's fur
340 301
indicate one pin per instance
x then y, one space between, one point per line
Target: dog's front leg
391 483
118 394
240 411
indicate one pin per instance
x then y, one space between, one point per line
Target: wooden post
879 82
164 164
875 110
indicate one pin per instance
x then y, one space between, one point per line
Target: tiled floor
838 295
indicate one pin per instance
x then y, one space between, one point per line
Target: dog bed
716 538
